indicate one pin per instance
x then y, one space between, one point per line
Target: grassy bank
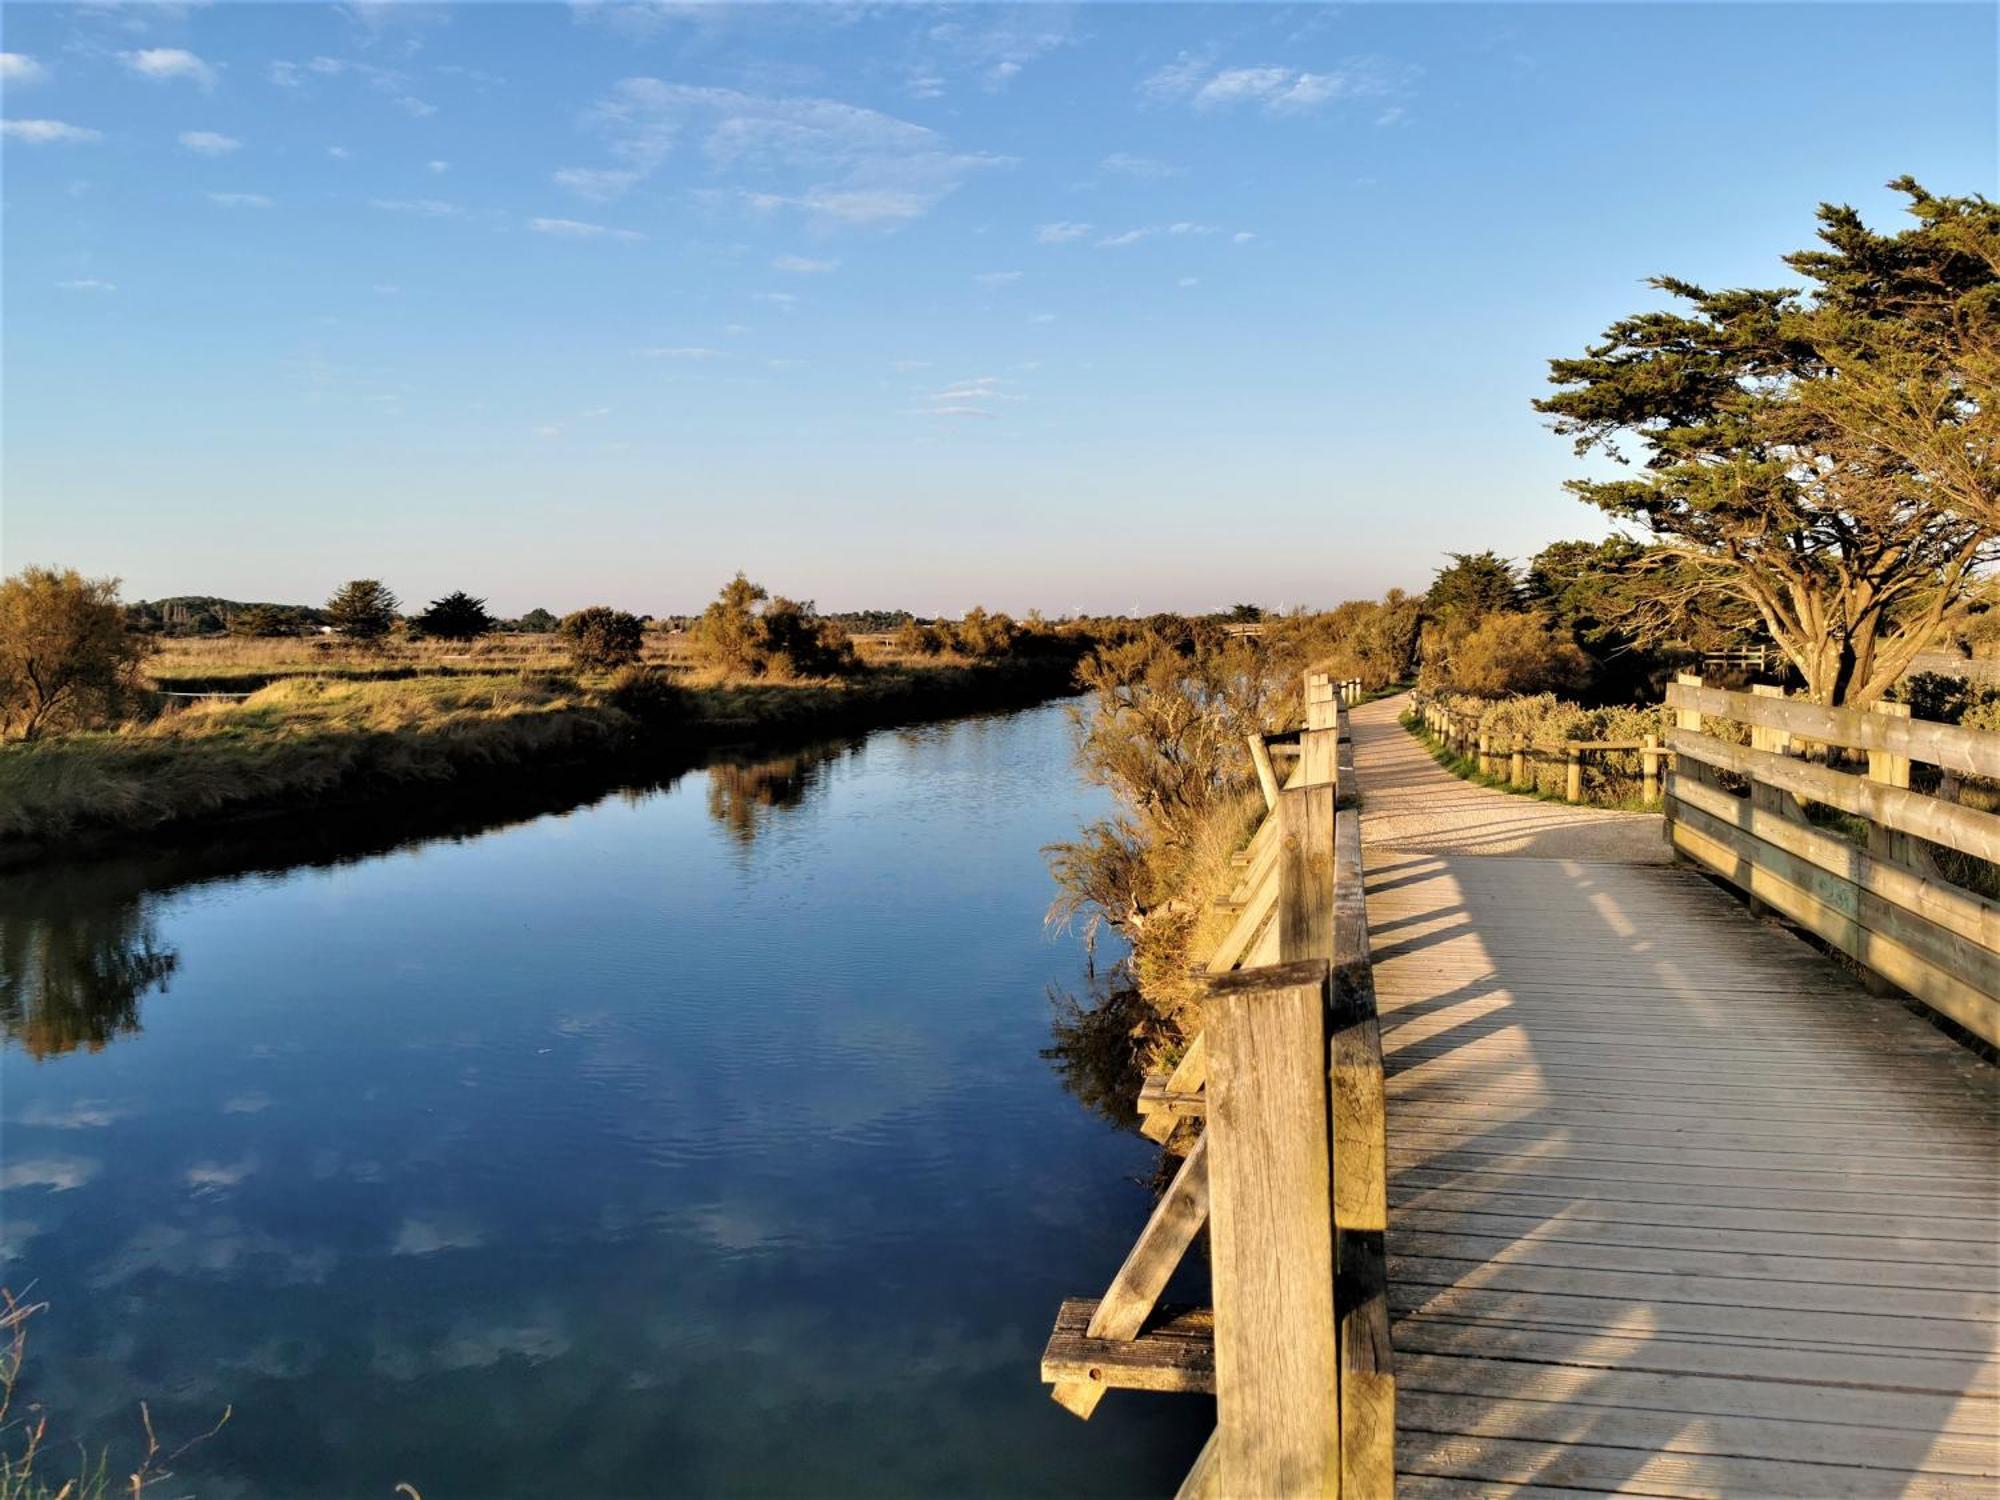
318 740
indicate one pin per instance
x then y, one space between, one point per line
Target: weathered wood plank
1176 1219
1188 1076
1360 1186
1965 829
1175 1351
1974 752
1270 1239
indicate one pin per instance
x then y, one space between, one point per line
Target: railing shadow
1736 1244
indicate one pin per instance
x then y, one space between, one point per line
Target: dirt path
1409 801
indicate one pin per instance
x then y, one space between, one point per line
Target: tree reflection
1100 1042
742 798
74 967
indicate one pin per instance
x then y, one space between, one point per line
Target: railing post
1517 764
1271 1233
1649 765
1485 753
1573 787
1267 776
1772 742
1890 770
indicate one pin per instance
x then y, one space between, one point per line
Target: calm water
697 1141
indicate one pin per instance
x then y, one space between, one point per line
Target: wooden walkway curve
1675 1206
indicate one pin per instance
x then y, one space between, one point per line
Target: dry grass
306 736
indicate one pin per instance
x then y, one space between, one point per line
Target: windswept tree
600 638
537 621
260 620
1824 460
1472 586
728 635
364 609
67 657
456 617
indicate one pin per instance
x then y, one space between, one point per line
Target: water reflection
74 967
1097 1042
742 797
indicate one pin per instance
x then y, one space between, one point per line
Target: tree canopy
1825 459
363 609
456 617
67 657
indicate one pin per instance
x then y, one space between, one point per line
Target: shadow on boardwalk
1676 1207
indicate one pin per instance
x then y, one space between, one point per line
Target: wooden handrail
1885 905
1290 1171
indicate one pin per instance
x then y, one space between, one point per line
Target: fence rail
1288 1170
1882 902
1507 758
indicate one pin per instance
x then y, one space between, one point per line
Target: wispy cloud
804 265
416 108
429 208
1133 236
997 278
339 153
165 64
19 68
1242 237
576 229
48 132
209 142
694 352
1062 234
785 300
1128 165
239 200
1187 281
994 51
838 163
595 184
1276 89
88 284
977 397
438 168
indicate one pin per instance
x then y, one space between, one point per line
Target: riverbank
318 743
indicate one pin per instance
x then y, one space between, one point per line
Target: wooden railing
1885 905
1288 1170
1507 758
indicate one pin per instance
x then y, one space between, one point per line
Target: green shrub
601 638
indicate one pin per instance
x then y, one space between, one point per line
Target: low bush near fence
1542 728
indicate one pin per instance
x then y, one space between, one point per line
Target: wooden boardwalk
1675 1206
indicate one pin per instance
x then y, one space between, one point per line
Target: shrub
456 617
914 639
362 609
600 638
649 694
747 633
728 635
260 620
1514 653
983 634
67 657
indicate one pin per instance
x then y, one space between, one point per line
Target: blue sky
1100 306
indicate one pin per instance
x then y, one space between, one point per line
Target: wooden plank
1716 847
1257 910
1577 1462
1939 902
1477 1403
1973 752
1270 1239
1597 1347
1965 829
1267 776
1305 872
1188 1076
1360 1186
1174 1352
1176 1219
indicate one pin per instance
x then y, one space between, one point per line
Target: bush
649 694
747 633
1544 724
600 638
1514 653
67 657
914 639
983 634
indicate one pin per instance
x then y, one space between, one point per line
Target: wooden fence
1508 758
1288 1170
1881 901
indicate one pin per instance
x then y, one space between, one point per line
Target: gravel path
1409 801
